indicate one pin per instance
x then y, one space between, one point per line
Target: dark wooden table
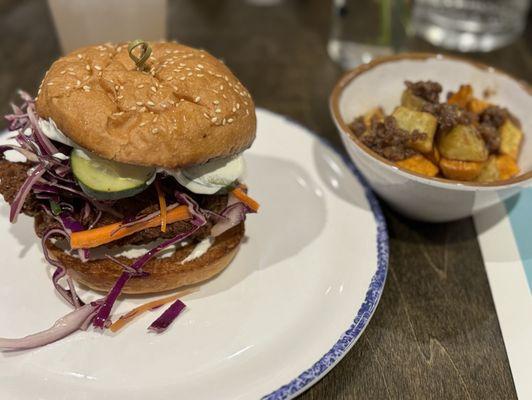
435 334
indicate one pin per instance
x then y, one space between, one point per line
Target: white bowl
380 83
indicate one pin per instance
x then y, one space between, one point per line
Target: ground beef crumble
388 140
427 90
449 115
358 127
491 137
493 116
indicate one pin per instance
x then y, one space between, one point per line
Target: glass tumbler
469 25
363 30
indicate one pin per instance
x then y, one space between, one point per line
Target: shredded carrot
244 198
127 317
108 233
162 206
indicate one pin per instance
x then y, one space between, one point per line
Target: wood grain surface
435 334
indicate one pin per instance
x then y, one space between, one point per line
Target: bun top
184 108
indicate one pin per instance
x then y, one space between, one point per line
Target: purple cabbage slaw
167 317
52 183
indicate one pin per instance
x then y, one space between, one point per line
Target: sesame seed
221 87
230 120
202 55
169 78
67 87
88 67
121 87
201 66
133 108
151 103
142 109
247 112
237 106
189 74
214 119
153 89
138 103
184 118
182 78
199 75
206 115
218 110
182 65
226 78
78 82
216 102
154 130
140 86
245 102
197 99
142 124
63 72
49 84
223 121
97 67
80 56
234 109
117 87
224 96
155 118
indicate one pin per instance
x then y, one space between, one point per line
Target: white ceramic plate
296 298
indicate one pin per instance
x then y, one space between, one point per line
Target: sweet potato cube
460 170
423 122
511 138
464 143
411 101
507 166
490 171
419 164
477 106
462 97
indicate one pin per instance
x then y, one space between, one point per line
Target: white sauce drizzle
206 178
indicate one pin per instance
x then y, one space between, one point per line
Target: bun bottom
164 273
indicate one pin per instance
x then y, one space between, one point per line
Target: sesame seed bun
184 109
164 273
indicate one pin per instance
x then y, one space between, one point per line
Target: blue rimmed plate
296 298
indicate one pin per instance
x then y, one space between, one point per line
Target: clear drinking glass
85 22
469 25
362 30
